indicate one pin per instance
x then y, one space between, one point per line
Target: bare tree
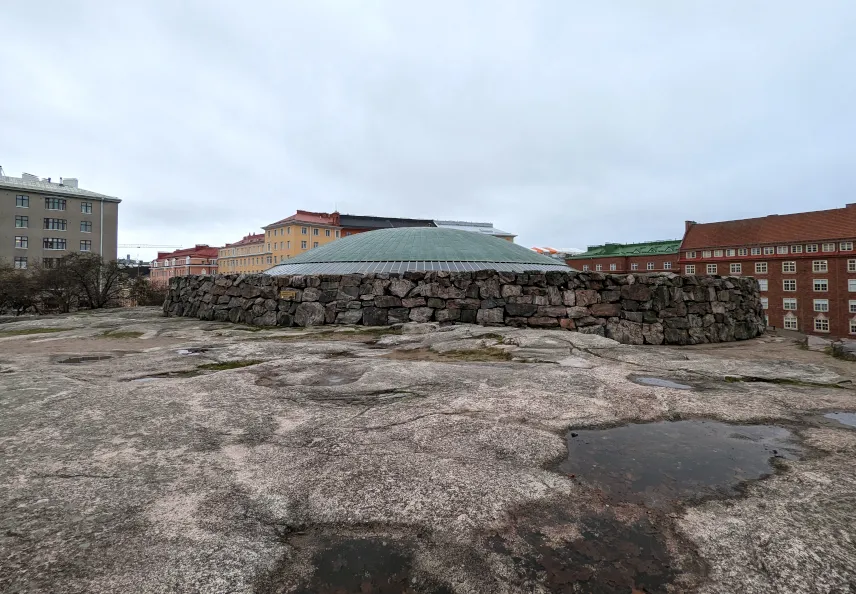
18 290
98 283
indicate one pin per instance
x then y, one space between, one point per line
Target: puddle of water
845 418
86 359
660 383
361 565
661 463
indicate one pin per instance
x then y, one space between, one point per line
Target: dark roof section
416 248
618 250
820 225
347 221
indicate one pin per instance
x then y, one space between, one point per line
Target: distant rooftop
670 246
370 222
248 239
66 187
486 228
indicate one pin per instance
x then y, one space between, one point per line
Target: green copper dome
416 248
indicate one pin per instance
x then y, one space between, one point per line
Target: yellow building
245 256
299 233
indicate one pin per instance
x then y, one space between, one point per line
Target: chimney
851 205
71 182
688 225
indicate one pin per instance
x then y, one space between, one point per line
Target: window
765 303
22 222
852 305
585 267
852 326
54 262
303 245
820 284
789 284
86 207
327 232
782 249
819 266
735 268
304 231
791 322
769 250
186 260
796 249
789 266
21 262
760 268
667 265
288 245
315 232
717 253
689 255
86 246
54 203
612 266
288 230
598 267
314 244
851 265
337 233
711 268
269 260
56 224
846 246
705 254
851 285
821 305
634 266
21 242
762 284
730 253
811 248
22 201
828 247
689 269
756 251
742 252
789 303
821 325
650 266
53 243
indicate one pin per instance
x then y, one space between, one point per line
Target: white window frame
789 303
789 267
760 268
689 255
789 285
634 266
649 266
735 268
730 253
717 253
821 305
585 267
763 284
851 285
820 266
765 303
756 251
852 305
819 327
811 248
706 254
598 267
791 322
612 267
796 249
689 269
851 265
853 326
846 246
782 249
820 285
769 250
712 269
667 265
742 251
828 247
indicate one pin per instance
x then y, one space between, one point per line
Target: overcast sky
568 123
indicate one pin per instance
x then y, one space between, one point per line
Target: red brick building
200 259
805 263
617 258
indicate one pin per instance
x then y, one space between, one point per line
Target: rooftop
31 183
202 250
309 217
370 222
486 228
618 250
248 239
818 225
416 248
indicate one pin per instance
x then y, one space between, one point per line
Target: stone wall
632 309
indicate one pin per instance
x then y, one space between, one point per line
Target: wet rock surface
335 461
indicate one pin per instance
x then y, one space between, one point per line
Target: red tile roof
197 251
248 239
820 225
313 218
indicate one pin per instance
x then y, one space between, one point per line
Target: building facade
200 259
618 258
42 221
805 264
299 233
245 256
353 224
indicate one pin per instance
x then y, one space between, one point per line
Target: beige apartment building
245 256
41 221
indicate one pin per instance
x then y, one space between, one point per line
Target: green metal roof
421 244
629 249
428 248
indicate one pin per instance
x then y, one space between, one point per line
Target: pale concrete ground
234 480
